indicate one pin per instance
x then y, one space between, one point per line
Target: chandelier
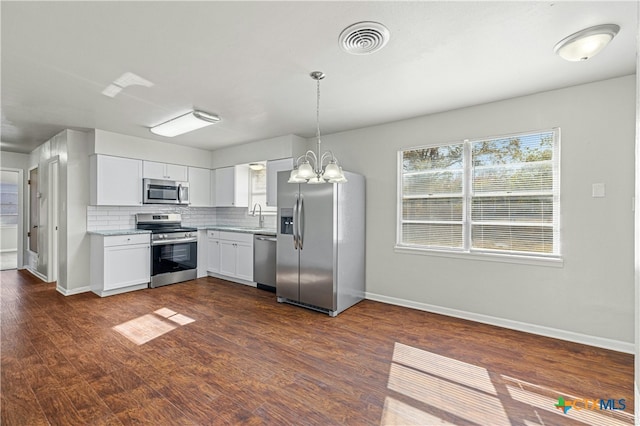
311 167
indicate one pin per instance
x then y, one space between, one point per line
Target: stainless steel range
174 248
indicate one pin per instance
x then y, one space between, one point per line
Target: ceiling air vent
363 38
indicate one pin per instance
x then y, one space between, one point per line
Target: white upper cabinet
115 181
154 170
199 187
273 167
231 186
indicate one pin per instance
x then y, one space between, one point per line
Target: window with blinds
497 195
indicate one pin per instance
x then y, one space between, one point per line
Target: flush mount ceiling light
363 38
185 123
586 43
256 166
312 169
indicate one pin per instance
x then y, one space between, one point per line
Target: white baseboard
232 279
555 333
73 291
36 273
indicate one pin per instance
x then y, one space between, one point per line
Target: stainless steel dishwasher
264 262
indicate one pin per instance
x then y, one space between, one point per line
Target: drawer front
239 237
213 234
123 240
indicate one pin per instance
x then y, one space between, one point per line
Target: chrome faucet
260 217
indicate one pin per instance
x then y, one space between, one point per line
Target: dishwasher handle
260 238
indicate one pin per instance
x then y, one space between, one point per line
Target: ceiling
249 62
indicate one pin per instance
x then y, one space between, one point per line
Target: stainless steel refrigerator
320 247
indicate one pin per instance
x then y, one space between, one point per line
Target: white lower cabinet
213 251
120 263
230 256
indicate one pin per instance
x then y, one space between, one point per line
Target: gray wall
591 297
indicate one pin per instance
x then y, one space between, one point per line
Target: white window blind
497 195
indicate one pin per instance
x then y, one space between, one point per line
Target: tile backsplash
107 218
239 216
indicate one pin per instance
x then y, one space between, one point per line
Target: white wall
70 149
14 160
74 263
116 144
269 149
590 298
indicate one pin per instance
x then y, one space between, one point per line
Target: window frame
266 210
467 251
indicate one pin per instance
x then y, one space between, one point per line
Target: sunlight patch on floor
434 389
399 413
150 326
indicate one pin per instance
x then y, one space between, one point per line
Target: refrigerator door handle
301 222
295 224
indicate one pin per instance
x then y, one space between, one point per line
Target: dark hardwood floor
213 352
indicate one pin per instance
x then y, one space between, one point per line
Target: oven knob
164 235
188 234
160 236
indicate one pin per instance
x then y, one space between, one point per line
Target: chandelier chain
318 110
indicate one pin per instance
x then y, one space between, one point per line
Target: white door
213 256
153 170
199 187
244 261
228 258
118 181
177 173
225 187
126 265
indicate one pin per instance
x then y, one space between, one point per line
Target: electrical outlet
598 190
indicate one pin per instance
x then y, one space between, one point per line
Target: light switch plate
597 190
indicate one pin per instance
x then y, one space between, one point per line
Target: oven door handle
176 241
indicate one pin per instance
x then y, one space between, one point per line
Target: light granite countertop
112 232
242 229
227 228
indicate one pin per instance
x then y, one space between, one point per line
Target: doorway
10 183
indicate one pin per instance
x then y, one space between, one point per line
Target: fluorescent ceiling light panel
185 123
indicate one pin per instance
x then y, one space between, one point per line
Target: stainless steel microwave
156 191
